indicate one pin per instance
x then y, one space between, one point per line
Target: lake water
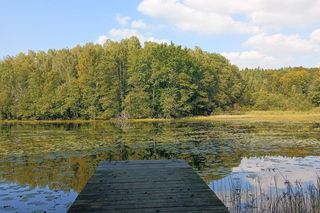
43 167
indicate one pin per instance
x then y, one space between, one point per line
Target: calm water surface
43 167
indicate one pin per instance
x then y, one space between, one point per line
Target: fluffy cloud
187 18
279 44
102 39
265 23
250 59
129 28
219 16
122 33
138 24
276 50
122 20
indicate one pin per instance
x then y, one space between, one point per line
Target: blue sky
250 33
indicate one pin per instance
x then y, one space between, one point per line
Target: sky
250 33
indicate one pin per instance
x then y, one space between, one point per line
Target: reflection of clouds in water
266 169
284 168
64 156
264 180
17 198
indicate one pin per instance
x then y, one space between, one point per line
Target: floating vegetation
61 157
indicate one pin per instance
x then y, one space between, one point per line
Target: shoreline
239 116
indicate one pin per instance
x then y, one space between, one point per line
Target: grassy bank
255 116
276 116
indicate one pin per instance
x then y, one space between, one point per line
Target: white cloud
187 18
122 33
285 12
122 20
264 22
277 50
250 59
138 24
279 44
220 16
254 59
136 28
102 39
118 34
264 12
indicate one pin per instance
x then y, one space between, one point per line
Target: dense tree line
157 80
117 79
282 89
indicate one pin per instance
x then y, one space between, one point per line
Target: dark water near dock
45 166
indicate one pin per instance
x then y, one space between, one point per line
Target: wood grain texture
146 186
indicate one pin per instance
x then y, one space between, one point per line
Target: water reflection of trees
65 156
56 173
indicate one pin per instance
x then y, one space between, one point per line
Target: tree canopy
282 89
155 80
115 79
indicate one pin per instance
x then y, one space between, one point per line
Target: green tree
138 104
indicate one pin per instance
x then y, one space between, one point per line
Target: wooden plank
159 209
146 186
144 164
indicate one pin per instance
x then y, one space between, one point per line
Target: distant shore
268 116
255 116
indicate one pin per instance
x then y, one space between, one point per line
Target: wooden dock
146 186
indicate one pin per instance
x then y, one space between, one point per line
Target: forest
128 79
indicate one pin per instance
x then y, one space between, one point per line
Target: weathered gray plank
145 164
160 209
146 186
